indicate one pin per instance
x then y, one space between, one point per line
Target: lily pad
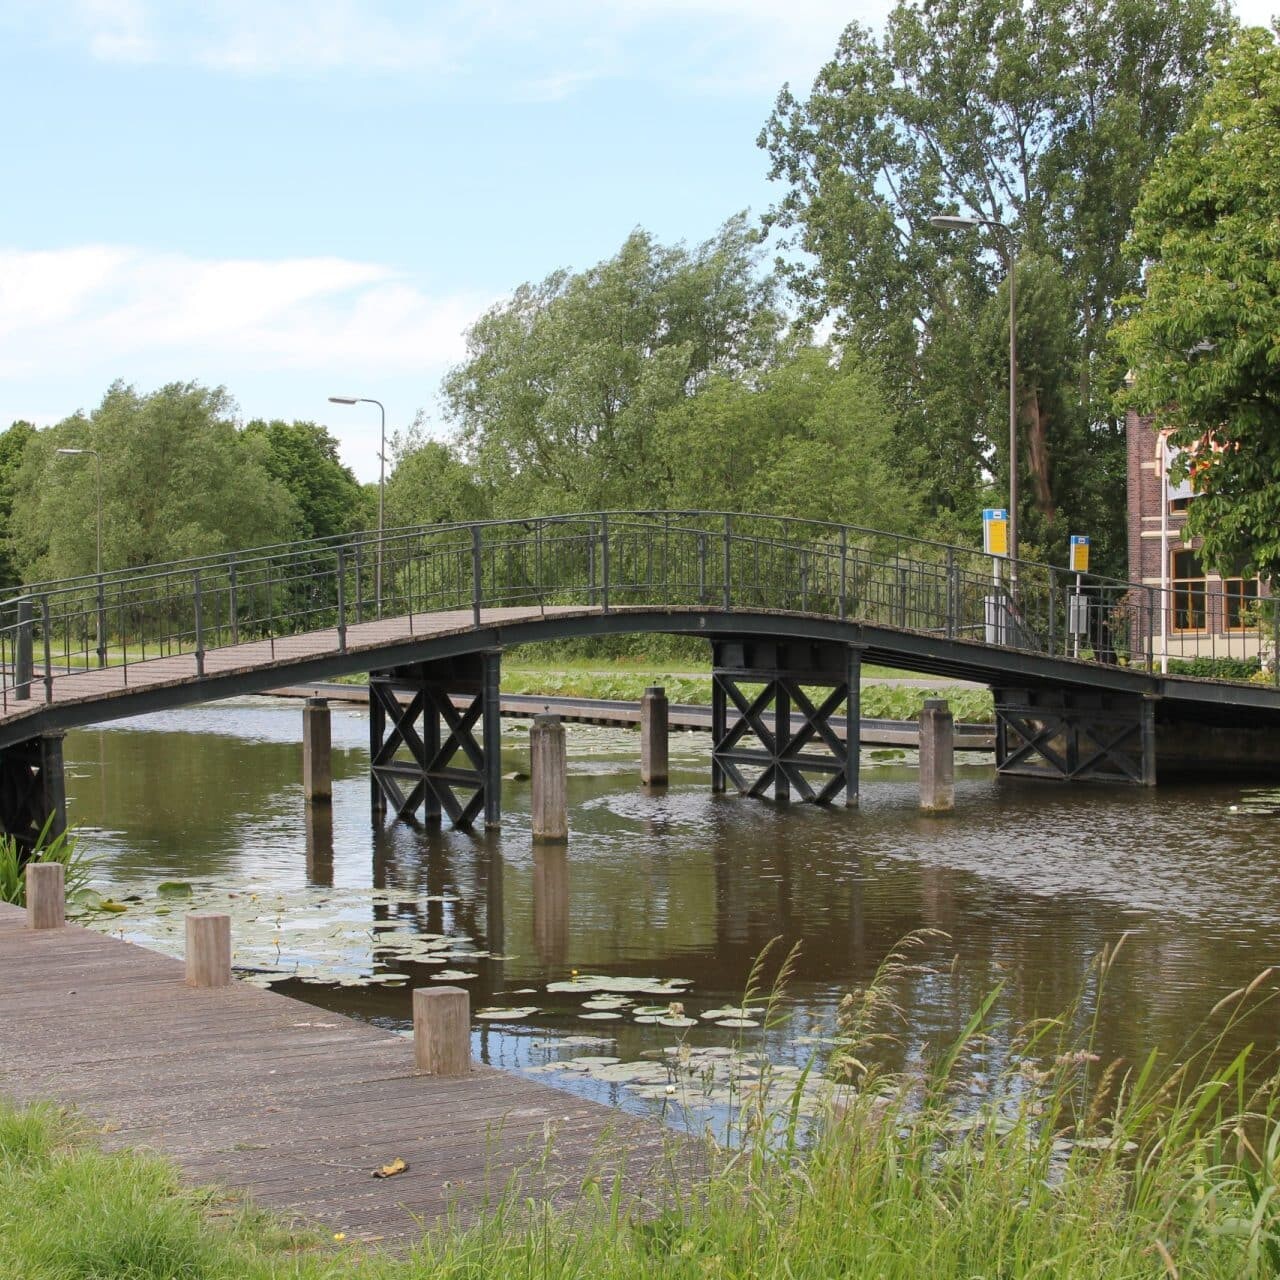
453 975
601 1016
506 1015
174 889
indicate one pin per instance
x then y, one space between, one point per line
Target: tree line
861 375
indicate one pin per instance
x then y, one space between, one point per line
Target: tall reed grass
1068 1166
63 848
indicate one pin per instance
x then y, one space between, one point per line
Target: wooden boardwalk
261 1093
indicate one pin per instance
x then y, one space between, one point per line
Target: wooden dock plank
292 1104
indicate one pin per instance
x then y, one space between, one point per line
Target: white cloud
540 50
111 306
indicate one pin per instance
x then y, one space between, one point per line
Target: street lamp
97 464
950 222
97 469
382 479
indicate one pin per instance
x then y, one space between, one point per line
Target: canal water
587 965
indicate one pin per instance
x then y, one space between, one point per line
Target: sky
303 198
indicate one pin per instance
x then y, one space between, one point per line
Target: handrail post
604 561
23 655
233 600
728 562
702 568
1053 607
100 622
951 593
46 625
342 600
359 577
1151 629
199 603
475 574
844 571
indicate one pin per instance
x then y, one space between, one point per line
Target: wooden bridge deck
261 1093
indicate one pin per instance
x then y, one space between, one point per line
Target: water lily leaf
678 1020
737 1022
173 889
649 1018
396 1166
453 975
115 907
609 1016
90 899
507 1015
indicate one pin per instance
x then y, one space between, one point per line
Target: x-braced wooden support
777 731
1075 737
424 750
32 790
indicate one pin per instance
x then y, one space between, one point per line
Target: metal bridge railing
608 560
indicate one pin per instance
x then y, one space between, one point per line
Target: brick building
1205 613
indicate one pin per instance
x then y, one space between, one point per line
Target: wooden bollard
442 1031
548 767
937 757
653 737
46 895
317 752
208 949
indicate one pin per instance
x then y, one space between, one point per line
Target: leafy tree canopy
303 457
557 399
431 484
1042 117
1204 341
13 447
178 479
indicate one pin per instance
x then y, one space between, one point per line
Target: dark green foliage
303 457
13 447
1202 340
1216 668
1044 117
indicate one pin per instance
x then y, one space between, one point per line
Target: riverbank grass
1067 1167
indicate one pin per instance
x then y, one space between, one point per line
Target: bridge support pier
1075 735
32 789
317 751
423 747
758 689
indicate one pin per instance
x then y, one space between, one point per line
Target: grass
879 702
1069 1167
61 848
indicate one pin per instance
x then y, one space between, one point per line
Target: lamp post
97 470
382 482
946 222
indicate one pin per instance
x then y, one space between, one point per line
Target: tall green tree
430 482
303 457
13 448
1204 340
557 400
178 479
1042 117
811 436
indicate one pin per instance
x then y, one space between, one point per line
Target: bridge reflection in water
790 609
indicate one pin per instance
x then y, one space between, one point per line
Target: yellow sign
1079 554
995 531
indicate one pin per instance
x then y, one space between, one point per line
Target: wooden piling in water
317 752
208 949
937 757
548 769
46 895
653 737
442 1031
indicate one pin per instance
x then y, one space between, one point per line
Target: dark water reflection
1028 881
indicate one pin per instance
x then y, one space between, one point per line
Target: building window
1186 580
1239 595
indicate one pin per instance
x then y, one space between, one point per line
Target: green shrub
63 848
1216 668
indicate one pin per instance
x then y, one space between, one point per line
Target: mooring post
937 757
208 949
46 895
548 766
442 1031
653 737
317 753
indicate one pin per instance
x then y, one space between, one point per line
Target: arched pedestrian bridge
790 609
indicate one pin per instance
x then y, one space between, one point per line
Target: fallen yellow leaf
390 1170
